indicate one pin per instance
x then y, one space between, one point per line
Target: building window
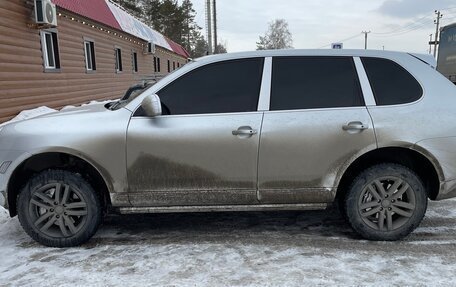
178 65
158 65
89 49
50 48
118 60
155 64
134 59
174 66
169 66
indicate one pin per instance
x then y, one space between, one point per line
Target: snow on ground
235 249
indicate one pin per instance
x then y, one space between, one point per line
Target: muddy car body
262 148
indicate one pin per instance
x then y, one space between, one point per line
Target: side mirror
152 106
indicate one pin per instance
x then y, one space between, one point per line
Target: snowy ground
235 249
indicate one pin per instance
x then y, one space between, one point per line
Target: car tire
385 202
59 209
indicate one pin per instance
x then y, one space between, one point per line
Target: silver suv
374 132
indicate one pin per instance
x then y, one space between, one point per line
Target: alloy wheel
387 203
58 210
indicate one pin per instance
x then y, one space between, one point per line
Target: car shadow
253 227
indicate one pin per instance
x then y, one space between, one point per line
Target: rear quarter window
391 83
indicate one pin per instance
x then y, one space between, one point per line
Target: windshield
132 93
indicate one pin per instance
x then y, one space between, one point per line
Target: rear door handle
355 126
244 131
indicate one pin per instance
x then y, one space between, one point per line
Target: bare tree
277 37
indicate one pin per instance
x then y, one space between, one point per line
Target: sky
401 25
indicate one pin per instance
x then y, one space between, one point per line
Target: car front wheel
386 202
59 209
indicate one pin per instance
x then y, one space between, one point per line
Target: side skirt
222 208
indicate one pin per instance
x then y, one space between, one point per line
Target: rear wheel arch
421 164
56 160
385 202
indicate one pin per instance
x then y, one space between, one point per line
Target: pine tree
133 7
200 49
172 21
220 49
151 13
177 22
191 30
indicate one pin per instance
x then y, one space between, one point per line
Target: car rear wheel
59 209
386 202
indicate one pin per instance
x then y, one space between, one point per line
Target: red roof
178 49
96 10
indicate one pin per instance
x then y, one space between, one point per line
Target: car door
317 122
203 150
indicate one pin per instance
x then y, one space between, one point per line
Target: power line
449 8
419 21
417 24
400 33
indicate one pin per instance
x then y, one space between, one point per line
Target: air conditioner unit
150 48
45 13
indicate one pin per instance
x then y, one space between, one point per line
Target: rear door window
391 83
314 82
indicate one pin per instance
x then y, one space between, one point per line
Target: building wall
23 82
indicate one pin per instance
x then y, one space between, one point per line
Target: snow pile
28 114
89 103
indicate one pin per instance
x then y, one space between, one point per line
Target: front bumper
9 160
447 190
3 199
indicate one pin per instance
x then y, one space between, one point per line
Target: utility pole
209 26
365 38
214 8
430 44
437 26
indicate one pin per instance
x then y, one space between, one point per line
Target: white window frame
44 47
88 55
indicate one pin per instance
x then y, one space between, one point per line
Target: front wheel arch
55 160
59 208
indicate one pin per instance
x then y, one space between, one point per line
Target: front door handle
355 127
244 131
